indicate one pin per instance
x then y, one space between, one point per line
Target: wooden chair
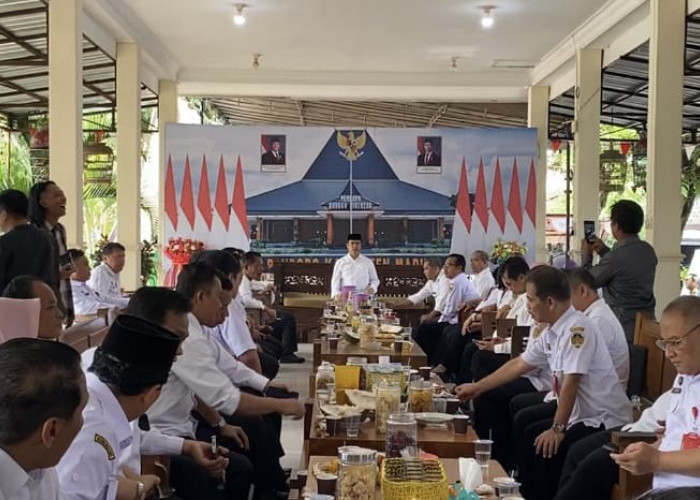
504 327
488 324
78 335
628 485
517 340
660 373
158 465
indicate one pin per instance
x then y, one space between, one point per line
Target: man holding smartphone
625 272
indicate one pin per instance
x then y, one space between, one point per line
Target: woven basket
413 479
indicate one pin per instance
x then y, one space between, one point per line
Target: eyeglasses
665 344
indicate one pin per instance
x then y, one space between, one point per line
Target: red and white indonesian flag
237 235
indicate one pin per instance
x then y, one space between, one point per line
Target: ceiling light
453 64
239 18
256 61
487 18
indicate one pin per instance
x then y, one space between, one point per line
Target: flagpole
351 198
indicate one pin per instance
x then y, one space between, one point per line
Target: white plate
361 399
433 418
395 329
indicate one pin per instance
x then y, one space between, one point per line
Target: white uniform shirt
234 330
430 289
649 420
685 395
505 297
459 290
240 374
106 282
614 336
359 273
540 378
18 484
573 345
245 291
484 282
87 301
490 300
89 470
194 372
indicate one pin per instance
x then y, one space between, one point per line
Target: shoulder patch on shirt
577 338
105 444
537 331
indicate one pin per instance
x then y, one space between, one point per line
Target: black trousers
525 410
540 476
285 330
465 374
587 459
484 363
492 418
428 336
264 452
269 364
272 346
192 482
451 347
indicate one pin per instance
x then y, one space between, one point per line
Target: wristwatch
558 427
140 491
219 427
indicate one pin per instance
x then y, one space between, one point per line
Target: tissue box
413 478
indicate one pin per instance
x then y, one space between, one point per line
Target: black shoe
291 358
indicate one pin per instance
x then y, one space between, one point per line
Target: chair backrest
504 327
78 335
659 371
488 323
638 370
517 340
95 339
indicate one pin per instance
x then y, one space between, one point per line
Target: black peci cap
354 237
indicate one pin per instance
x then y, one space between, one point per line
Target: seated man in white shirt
585 299
675 458
458 291
42 396
87 301
590 397
354 269
104 278
482 277
202 371
434 278
284 326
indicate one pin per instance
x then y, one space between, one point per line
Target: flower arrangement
179 251
504 249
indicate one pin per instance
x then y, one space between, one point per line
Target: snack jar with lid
387 400
401 435
420 396
368 330
325 375
357 473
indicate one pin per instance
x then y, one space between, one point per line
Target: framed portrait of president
273 153
429 157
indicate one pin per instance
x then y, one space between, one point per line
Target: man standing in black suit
24 248
430 157
274 155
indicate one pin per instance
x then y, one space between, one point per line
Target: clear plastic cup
482 452
352 424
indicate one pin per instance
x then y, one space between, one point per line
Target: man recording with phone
625 272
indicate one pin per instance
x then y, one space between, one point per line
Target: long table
451 469
440 441
415 357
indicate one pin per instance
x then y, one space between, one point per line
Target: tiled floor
297 377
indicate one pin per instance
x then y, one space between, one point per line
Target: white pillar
666 60
66 111
586 127
129 161
538 117
167 113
